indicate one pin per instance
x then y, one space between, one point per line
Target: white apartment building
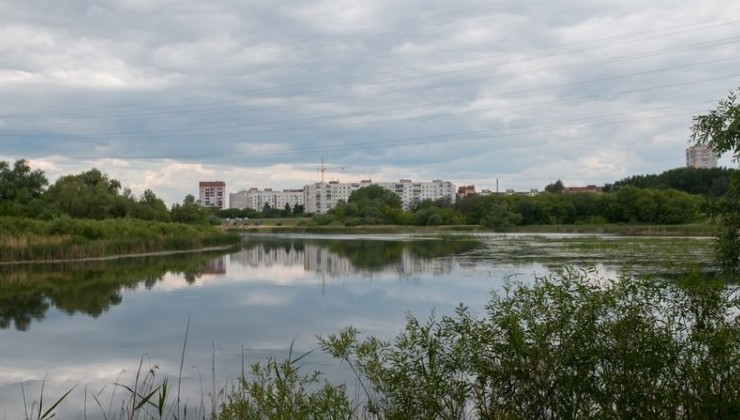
322 197
256 199
700 157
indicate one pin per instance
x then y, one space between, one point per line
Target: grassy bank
64 238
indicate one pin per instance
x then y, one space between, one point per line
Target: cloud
257 94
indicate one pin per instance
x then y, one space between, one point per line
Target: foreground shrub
568 346
280 391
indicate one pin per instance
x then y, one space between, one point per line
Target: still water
90 325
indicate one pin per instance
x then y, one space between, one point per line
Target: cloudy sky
163 93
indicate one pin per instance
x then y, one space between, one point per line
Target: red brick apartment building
212 193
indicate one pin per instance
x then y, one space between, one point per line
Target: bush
568 346
279 391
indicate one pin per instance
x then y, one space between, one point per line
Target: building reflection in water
333 259
215 266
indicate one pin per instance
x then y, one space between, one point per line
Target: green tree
499 216
556 187
370 205
190 212
706 181
375 196
19 187
720 130
150 207
472 208
88 195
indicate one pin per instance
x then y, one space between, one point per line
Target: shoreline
117 257
699 230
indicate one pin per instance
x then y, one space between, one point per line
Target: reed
65 238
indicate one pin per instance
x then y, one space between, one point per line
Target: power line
189 132
661 32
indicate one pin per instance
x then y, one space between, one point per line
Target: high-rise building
322 197
255 199
212 193
700 156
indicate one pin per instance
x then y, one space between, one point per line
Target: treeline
713 182
375 205
89 195
90 215
626 205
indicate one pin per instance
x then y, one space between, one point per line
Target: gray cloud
257 94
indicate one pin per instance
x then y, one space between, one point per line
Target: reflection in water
27 292
91 288
335 258
261 300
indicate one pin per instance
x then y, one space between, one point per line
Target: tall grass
65 238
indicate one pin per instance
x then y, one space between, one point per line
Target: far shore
302 225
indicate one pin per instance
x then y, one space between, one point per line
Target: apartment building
322 197
255 199
700 156
212 193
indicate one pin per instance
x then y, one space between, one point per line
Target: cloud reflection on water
100 319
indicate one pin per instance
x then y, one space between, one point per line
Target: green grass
65 238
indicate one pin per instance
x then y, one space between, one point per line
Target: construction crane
323 168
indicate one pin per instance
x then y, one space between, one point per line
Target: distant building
255 199
465 191
212 193
587 189
510 191
700 156
322 197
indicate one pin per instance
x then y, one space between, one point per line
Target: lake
89 325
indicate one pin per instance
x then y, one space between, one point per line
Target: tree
706 181
556 187
190 212
720 130
150 207
375 196
19 186
89 195
370 205
499 216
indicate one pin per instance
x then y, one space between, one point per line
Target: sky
161 94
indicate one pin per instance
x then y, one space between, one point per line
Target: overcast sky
161 94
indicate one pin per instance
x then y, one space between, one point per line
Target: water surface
90 324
